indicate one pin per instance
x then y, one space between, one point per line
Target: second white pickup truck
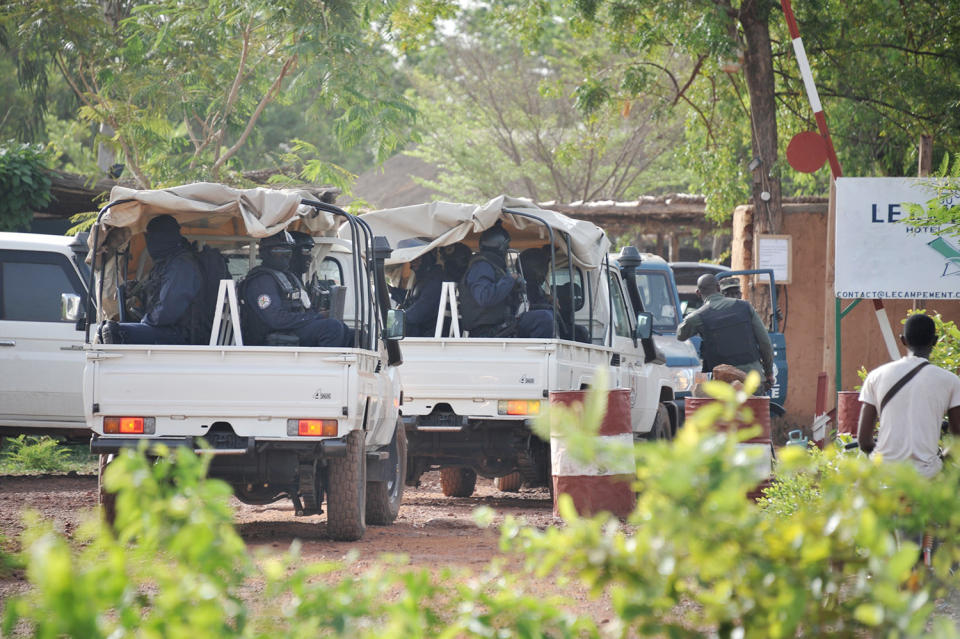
468 401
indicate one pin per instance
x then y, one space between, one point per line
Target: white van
42 289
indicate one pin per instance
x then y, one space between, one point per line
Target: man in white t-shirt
910 422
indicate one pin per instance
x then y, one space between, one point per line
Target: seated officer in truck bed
489 296
172 291
273 312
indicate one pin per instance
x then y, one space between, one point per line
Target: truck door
632 372
41 358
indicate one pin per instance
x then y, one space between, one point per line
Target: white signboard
878 256
773 252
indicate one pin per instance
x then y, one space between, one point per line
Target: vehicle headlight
683 379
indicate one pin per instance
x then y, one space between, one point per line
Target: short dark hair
919 330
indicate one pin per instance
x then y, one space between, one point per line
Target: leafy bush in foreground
176 567
696 557
830 564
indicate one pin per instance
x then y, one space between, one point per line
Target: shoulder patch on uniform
264 301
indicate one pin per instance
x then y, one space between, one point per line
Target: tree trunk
758 71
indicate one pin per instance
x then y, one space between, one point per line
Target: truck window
31 283
330 269
657 298
621 320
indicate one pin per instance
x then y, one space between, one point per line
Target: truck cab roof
37 242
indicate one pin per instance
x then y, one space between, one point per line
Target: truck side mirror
69 307
396 327
644 326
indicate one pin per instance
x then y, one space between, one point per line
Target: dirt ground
433 530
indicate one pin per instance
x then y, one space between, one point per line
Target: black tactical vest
255 330
472 314
728 336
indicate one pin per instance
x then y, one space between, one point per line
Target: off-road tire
107 500
347 491
509 483
384 497
661 425
457 482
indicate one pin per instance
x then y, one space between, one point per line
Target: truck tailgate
471 375
247 387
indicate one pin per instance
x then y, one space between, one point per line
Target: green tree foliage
943 210
500 119
886 72
24 184
183 85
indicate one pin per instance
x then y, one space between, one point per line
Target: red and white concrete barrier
762 442
596 487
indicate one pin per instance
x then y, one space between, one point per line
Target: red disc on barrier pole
807 152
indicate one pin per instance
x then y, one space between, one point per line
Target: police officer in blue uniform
489 295
422 303
172 291
535 265
273 312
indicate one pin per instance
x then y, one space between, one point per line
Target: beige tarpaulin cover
445 223
205 205
202 208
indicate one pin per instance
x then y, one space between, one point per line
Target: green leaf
869 614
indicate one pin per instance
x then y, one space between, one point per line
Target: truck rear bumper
112 445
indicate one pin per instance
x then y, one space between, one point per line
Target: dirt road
433 530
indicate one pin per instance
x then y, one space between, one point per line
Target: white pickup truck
468 402
42 288
304 423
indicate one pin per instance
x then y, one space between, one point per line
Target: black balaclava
427 260
494 243
302 252
163 237
276 251
535 264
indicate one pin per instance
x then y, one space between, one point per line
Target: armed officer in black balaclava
171 291
488 294
273 312
422 303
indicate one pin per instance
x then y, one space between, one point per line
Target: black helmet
495 239
276 250
303 241
302 251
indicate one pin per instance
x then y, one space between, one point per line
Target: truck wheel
384 497
457 482
509 483
661 425
347 491
107 500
